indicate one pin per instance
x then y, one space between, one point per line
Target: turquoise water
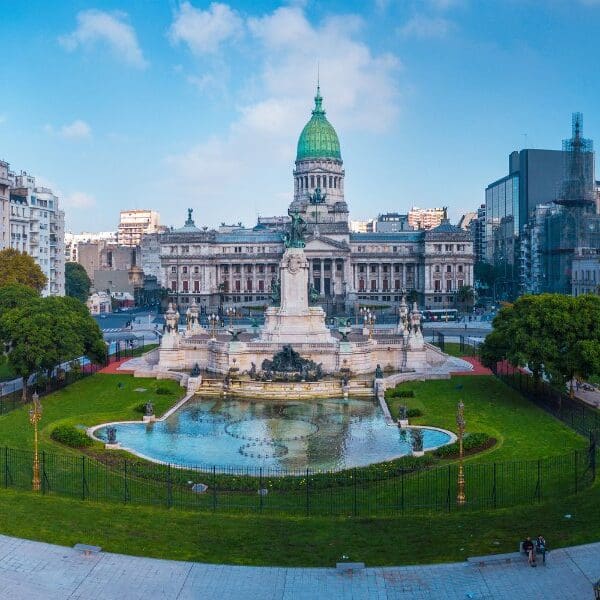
316 435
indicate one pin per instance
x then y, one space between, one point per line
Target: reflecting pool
317 435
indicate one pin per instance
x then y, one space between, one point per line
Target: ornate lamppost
213 321
460 422
370 323
35 415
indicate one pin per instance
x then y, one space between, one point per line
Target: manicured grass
90 401
523 430
264 540
453 349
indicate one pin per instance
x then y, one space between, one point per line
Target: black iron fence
378 490
66 373
573 412
455 343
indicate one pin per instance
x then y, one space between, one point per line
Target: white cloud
111 29
77 130
204 31
361 94
78 200
421 26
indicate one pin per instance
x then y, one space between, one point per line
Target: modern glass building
534 178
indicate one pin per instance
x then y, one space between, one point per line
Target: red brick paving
111 369
478 368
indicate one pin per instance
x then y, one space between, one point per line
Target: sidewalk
38 571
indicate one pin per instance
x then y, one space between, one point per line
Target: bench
86 549
508 557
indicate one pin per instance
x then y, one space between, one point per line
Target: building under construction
574 222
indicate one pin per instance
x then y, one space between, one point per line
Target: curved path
34 570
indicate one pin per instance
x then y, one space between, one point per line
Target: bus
443 315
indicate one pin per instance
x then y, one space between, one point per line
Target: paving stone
38 571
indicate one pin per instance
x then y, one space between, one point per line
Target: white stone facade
134 224
31 221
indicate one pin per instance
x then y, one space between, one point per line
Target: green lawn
523 430
453 349
90 401
264 540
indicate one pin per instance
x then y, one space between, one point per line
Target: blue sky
169 105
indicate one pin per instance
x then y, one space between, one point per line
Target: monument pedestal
295 322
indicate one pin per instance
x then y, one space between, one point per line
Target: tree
77 282
554 335
14 295
19 267
46 332
465 295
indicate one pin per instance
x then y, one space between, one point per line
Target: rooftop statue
294 238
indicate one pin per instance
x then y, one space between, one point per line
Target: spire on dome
318 102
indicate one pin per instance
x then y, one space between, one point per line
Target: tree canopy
77 282
44 332
19 267
554 335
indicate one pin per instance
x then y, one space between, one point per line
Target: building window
196 286
448 247
361 285
261 268
437 268
449 285
460 268
272 268
460 283
385 285
437 247
449 269
185 285
373 285
312 181
248 268
173 286
184 270
361 269
261 285
338 266
238 286
249 285
373 269
437 285
237 268
173 269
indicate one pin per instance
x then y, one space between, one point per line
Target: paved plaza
36 571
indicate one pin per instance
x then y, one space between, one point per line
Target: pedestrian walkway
36 571
478 368
113 367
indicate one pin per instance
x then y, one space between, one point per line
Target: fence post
214 488
260 495
494 491
355 507
402 488
448 503
125 491
43 471
169 487
307 495
6 466
575 457
83 477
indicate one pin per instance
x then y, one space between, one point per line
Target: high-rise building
425 218
477 229
32 222
133 224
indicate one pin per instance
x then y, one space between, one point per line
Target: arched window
330 181
449 269
312 181
437 268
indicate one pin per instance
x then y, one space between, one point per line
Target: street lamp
213 321
35 415
369 319
460 422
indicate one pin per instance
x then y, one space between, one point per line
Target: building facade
425 218
31 221
72 241
134 224
347 269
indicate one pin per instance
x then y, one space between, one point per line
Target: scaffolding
575 222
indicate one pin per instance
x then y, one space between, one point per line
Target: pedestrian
541 547
529 549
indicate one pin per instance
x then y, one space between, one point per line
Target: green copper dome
318 138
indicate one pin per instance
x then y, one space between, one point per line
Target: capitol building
236 266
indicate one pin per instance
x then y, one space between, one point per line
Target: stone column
311 278
322 280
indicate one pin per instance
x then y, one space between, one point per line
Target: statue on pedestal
171 320
294 238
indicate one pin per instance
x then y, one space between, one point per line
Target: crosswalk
113 330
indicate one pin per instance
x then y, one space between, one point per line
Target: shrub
140 408
399 393
163 391
71 436
471 441
413 413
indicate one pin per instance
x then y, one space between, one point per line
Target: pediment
321 243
